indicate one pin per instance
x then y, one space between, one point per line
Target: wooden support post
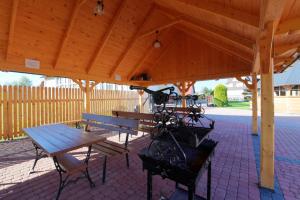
87 105
267 131
254 105
184 88
141 106
183 92
267 109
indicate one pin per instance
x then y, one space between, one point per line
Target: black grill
180 149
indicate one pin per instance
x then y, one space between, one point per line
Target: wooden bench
104 124
146 123
70 164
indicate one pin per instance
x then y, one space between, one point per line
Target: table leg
87 175
149 185
62 182
38 155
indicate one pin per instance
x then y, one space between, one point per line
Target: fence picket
23 106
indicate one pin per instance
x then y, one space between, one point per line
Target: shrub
220 96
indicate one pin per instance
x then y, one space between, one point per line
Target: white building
235 89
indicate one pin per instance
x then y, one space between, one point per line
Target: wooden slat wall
104 101
22 106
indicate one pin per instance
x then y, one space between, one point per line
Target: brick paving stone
234 173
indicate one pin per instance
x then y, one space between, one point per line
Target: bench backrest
133 115
145 119
183 110
111 123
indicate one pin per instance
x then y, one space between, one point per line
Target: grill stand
180 193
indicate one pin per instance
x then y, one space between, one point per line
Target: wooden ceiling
201 40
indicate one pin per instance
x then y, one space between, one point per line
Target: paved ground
234 169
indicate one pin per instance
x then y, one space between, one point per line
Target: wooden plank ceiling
200 40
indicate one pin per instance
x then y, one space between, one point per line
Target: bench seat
71 164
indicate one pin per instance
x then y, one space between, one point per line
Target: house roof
290 76
200 40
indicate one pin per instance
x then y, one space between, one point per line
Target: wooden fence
285 104
22 107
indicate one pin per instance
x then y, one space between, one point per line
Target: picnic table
56 141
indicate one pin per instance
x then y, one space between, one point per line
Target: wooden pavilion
198 40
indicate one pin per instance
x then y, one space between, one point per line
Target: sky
8 77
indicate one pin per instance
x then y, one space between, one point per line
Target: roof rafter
66 35
284 48
13 17
225 12
131 42
216 44
220 33
160 28
105 38
289 26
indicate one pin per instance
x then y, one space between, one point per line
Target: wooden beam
159 28
67 33
105 38
217 9
254 105
246 82
289 26
79 83
284 48
285 53
191 22
284 59
13 17
270 10
131 43
266 45
141 62
220 45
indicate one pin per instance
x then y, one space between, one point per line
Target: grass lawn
245 105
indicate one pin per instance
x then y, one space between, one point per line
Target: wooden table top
56 139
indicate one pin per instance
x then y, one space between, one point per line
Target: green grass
245 105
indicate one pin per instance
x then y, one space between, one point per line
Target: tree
220 95
23 81
207 91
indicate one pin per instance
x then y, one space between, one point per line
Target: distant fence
22 107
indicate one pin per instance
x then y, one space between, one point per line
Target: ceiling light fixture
156 44
99 9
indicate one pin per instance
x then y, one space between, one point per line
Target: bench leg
104 169
127 160
119 136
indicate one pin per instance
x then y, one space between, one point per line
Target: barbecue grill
180 149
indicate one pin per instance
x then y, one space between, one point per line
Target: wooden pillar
267 109
183 88
141 106
183 92
87 89
267 131
254 105
87 102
